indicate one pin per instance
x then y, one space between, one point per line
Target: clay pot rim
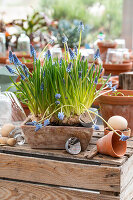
122 64
111 132
107 44
123 131
122 91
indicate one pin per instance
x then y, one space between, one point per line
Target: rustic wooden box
28 174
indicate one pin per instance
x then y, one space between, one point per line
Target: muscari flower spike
109 84
64 39
48 54
60 115
33 52
22 77
96 81
46 122
42 86
82 59
60 62
76 50
68 69
51 41
16 61
10 57
58 96
38 126
57 102
97 54
26 70
80 74
66 48
72 54
33 123
12 71
81 27
96 127
124 137
114 88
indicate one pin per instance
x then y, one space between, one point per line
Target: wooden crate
28 174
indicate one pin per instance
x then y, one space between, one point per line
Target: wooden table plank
61 173
28 191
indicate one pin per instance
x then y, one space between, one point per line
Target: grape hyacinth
124 137
10 57
46 122
12 71
81 27
97 54
72 54
57 96
64 39
60 115
33 52
38 126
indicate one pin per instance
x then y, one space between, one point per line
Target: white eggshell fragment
118 122
6 129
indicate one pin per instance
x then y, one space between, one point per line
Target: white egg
118 122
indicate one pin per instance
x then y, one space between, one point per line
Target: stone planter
55 137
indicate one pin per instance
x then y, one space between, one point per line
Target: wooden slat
128 192
126 173
60 173
12 190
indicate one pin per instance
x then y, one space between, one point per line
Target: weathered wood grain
127 193
60 173
126 173
12 190
126 80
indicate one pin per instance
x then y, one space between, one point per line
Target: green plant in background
70 30
108 20
32 24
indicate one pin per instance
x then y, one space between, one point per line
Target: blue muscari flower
60 115
66 48
38 126
51 41
46 122
114 88
12 71
72 54
64 39
109 84
33 123
43 73
82 59
60 62
26 70
57 96
33 52
48 54
96 127
97 54
68 69
10 57
57 102
93 67
80 74
23 77
96 81
76 50
16 61
81 27
101 70
124 137
42 86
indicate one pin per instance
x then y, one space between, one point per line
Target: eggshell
3 140
11 141
118 122
6 129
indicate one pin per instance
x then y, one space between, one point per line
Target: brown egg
11 141
3 140
6 129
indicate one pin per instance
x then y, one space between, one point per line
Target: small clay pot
116 69
104 46
126 132
111 145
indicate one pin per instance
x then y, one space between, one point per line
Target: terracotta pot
116 69
126 132
26 109
3 60
103 47
22 55
55 137
111 145
117 105
114 82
